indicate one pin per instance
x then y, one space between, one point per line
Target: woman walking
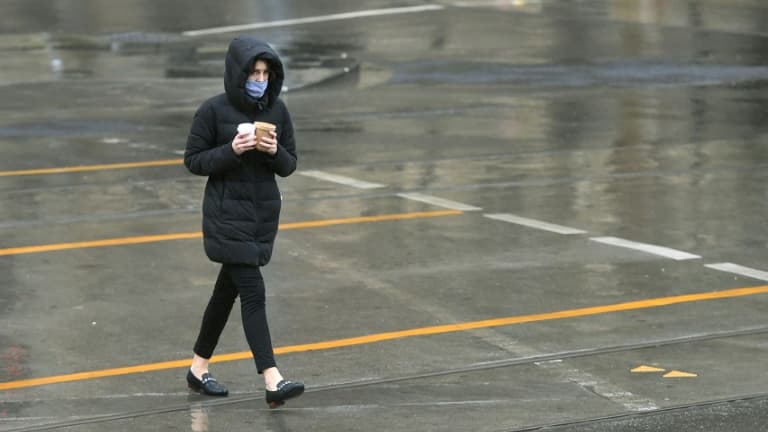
241 206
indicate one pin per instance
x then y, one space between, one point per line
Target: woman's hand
267 144
243 143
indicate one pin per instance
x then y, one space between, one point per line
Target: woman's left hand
267 144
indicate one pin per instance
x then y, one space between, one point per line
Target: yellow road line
98 243
191 235
364 219
380 337
84 168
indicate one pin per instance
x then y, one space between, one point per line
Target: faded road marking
532 223
739 270
440 202
312 20
647 248
334 178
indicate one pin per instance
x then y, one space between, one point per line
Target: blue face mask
255 89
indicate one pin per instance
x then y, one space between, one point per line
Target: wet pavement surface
508 215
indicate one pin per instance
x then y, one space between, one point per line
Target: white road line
648 248
600 386
532 223
315 19
440 202
347 181
739 270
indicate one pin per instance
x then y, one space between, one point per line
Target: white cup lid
245 128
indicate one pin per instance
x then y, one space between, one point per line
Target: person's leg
214 319
253 301
250 284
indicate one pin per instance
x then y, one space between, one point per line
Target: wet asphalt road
461 130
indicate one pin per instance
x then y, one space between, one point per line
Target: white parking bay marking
347 181
440 202
533 223
648 248
739 270
314 19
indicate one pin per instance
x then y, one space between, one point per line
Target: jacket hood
241 55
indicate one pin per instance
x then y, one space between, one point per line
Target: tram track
554 427
529 360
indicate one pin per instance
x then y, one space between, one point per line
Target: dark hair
252 64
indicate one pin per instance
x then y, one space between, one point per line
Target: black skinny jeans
246 281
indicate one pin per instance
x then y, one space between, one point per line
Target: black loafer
208 385
285 390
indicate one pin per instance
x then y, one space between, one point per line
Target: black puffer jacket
241 207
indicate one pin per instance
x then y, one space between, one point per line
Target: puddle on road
623 74
143 56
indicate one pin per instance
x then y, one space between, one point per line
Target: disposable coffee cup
263 129
245 129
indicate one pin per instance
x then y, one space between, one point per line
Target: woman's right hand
243 143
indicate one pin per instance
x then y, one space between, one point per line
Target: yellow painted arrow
679 374
647 369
